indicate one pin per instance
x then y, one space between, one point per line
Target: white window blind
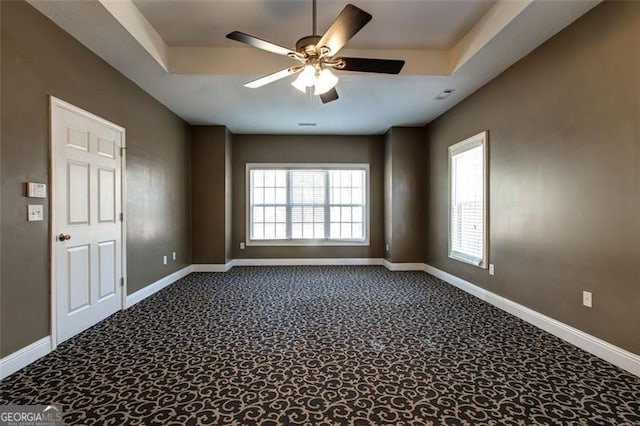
269 202
307 205
467 215
308 199
347 203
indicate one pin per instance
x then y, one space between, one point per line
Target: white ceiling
177 52
424 24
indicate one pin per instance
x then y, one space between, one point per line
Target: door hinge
122 148
121 281
121 217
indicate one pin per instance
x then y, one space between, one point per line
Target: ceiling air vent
445 94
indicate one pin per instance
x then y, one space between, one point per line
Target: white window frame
481 139
308 242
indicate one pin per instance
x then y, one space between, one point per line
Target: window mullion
288 183
327 205
250 212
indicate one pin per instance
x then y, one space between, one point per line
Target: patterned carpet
323 345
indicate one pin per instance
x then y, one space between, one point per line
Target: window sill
306 243
479 263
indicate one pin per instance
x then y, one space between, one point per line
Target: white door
87 223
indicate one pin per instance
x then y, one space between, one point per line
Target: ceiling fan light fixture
306 78
298 85
326 81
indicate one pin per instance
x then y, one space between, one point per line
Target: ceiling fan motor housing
307 45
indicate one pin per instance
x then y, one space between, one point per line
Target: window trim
307 242
480 139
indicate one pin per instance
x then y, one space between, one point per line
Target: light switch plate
492 269
35 213
36 190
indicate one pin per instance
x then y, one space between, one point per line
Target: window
297 204
467 200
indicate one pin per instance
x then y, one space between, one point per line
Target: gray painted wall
404 181
228 191
388 195
211 218
564 149
308 149
40 59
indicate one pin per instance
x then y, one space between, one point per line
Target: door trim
53 103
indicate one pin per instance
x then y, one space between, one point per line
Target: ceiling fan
317 55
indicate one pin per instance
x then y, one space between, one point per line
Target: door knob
64 237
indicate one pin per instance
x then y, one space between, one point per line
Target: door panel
106 148
79 279
87 202
106 195
107 268
78 139
78 193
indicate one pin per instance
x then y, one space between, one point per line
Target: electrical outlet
173 255
587 299
492 269
164 260
386 247
242 245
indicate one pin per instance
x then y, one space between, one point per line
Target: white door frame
56 102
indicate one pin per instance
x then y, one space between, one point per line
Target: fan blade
329 96
347 24
259 43
385 66
270 78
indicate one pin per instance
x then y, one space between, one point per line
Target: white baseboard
25 356
212 267
307 261
147 291
219 267
615 355
403 266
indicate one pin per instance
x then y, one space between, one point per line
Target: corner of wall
211 189
388 195
228 197
404 195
